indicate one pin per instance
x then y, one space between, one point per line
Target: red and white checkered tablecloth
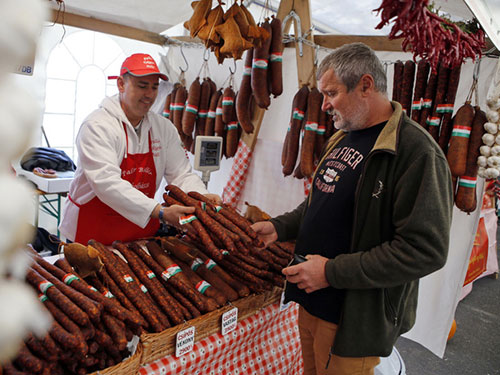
265 343
238 176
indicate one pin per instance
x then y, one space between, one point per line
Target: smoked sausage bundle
191 110
446 109
434 121
459 142
299 106
310 132
423 68
465 198
406 92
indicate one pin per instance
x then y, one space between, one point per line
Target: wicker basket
129 366
159 345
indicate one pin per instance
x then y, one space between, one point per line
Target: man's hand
309 275
266 231
214 198
173 213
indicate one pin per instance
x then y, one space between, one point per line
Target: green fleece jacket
403 210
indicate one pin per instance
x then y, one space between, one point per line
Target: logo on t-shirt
329 175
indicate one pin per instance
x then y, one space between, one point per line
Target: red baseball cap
140 65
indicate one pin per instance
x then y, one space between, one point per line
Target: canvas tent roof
332 17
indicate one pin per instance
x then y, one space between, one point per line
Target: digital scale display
209 153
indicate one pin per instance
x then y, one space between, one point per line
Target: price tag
283 305
184 341
229 320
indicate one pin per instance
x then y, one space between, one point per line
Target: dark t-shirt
327 225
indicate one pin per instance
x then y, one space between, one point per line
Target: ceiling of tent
329 16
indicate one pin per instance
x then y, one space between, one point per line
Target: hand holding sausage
266 231
309 275
171 214
216 199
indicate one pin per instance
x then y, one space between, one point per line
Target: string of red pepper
427 35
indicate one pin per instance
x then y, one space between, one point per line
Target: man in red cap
124 150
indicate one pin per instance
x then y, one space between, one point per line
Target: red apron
100 222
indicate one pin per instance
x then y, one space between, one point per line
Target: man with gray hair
377 219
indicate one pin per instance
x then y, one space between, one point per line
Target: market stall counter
266 340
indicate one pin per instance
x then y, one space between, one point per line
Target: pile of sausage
227 34
428 35
145 286
308 131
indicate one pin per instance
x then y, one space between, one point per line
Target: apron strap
72 201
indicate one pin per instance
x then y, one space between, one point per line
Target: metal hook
205 53
185 60
298 28
477 65
233 71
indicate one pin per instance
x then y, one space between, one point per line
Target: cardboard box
60 184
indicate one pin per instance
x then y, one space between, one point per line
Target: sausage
321 132
232 135
92 308
311 127
397 81
423 68
177 112
428 102
81 346
210 123
298 110
465 198
66 339
276 57
149 279
244 95
37 348
459 141
206 88
64 303
219 123
192 104
227 105
166 107
260 63
28 361
435 119
447 109
278 251
116 330
407 86
284 150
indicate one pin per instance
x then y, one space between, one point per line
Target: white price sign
229 320
184 341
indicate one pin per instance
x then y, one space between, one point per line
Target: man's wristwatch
160 216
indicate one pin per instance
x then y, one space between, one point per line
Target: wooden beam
306 70
94 24
378 43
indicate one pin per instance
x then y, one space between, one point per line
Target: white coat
101 146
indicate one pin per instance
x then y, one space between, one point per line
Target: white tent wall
268 189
